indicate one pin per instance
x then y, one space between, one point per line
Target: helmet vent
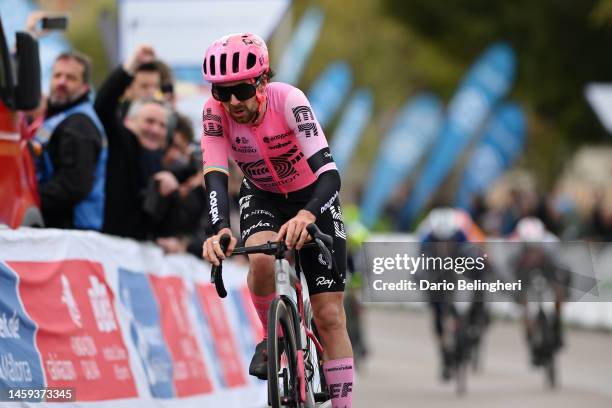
204 65
251 59
223 61
235 62
212 65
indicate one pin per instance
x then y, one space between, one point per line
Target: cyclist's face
242 111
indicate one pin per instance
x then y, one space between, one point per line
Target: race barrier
117 323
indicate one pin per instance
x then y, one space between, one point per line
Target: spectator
167 83
135 150
72 164
176 212
146 84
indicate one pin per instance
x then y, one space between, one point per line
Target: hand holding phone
57 22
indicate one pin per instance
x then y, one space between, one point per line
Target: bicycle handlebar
322 241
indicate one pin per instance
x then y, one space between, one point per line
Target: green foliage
559 43
399 47
84 33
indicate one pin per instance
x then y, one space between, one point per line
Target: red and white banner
120 323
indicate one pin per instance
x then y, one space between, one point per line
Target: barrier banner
486 83
78 334
414 130
115 321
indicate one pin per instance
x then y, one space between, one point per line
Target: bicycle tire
279 314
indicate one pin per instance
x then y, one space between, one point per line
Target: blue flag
354 120
300 47
503 141
487 82
414 129
329 91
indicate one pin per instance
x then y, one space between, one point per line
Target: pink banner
78 336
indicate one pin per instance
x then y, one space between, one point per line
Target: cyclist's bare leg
328 310
260 278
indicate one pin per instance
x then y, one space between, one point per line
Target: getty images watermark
416 272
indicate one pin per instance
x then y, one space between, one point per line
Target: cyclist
537 251
444 233
290 181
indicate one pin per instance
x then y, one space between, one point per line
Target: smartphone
54 23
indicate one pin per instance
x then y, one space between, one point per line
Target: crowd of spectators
120 160
583 213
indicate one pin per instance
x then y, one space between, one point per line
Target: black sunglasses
242 91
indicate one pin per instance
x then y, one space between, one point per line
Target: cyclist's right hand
211 250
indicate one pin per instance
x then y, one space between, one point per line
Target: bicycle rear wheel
283 386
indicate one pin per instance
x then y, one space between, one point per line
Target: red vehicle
19 201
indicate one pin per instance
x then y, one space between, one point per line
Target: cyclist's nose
234 100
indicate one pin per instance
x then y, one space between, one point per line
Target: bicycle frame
287 280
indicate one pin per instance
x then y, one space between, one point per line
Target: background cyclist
291 180
444 233
538 252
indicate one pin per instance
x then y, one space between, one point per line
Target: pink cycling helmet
235 57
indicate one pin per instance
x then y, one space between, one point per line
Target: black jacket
129 166
74 148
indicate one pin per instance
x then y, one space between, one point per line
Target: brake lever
325 251
216 272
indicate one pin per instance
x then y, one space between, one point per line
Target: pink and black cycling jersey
285 152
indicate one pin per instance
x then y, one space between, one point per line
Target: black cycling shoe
259 363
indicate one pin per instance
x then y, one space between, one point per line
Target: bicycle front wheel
283 383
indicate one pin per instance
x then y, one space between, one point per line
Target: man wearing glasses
291 180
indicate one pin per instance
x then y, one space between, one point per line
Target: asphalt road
402 369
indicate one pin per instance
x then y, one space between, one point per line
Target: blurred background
384 70
503 109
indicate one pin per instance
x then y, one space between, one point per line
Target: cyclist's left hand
294 231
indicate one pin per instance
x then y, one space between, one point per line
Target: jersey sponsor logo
245 149
214 211
329 202
208 115
336 212
242 139
270 139
260 224
212 129
302 113
309 129
320 159
244 202
284 167
321 281
339 230
259 212
279 145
